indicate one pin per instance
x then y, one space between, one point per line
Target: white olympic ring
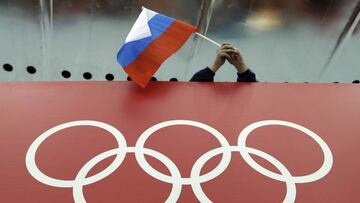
81 176
325 168
38 175
185 181
176 179
290 185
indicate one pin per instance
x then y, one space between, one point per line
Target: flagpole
208 39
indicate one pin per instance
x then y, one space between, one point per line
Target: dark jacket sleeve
207 75
204 75
247 76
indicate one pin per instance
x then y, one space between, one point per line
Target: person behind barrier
229 53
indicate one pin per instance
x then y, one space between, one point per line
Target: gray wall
281 40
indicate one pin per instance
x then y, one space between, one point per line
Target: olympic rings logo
176 179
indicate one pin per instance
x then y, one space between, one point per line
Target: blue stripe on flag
130 51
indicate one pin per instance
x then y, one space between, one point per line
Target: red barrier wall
303 140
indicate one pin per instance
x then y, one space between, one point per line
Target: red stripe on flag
149 61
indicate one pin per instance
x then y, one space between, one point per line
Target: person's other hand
222 54
230 53
236 59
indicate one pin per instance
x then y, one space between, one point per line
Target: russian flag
153 38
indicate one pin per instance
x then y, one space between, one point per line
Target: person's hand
230 53
222 54
237 60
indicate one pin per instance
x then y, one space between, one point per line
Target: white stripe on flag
140 29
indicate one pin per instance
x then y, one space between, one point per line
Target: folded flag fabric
153 39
